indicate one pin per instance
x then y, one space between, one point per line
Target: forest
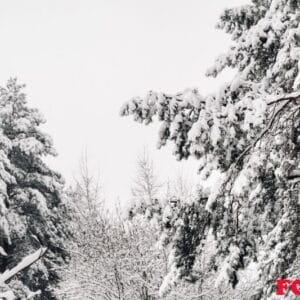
230 237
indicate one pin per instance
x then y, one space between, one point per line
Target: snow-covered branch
25 263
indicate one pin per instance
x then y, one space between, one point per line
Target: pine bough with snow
247 139
31 207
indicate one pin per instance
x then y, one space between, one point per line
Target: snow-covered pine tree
246 137
31 205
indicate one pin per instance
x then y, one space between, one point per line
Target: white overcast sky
82 59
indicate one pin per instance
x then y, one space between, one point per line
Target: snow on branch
295 174
25 263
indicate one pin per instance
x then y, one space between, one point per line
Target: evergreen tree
246 137
31 206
